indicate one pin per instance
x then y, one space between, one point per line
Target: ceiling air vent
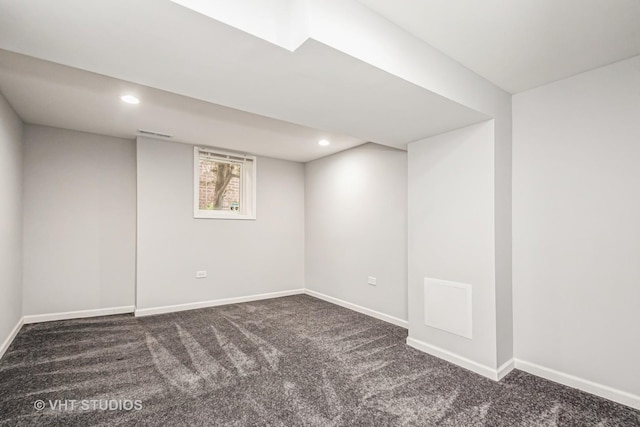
154 134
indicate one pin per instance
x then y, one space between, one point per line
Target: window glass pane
220 186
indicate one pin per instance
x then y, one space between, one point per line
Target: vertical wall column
454 245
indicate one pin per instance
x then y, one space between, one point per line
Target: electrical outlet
371 280
201 274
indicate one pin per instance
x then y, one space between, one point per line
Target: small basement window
224 185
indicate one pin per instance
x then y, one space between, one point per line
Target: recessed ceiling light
323 142
130 99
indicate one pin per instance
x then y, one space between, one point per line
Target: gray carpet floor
293 361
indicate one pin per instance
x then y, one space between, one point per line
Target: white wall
242 257
452 234
356 226
10 219
352 28
503 237
576 219
79 221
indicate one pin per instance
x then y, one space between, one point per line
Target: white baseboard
495 374
601 390
505 368
369 312
37 318
6 343
140 312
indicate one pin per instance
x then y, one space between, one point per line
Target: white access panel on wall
447 306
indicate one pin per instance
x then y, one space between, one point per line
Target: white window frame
248 188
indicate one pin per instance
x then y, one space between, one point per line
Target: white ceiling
162 45
189 68
51 94
521 44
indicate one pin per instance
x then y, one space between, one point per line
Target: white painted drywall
341 93
576 226
356 227
281 22
452 233
503 237
10 219
79 221
352 28
241 257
